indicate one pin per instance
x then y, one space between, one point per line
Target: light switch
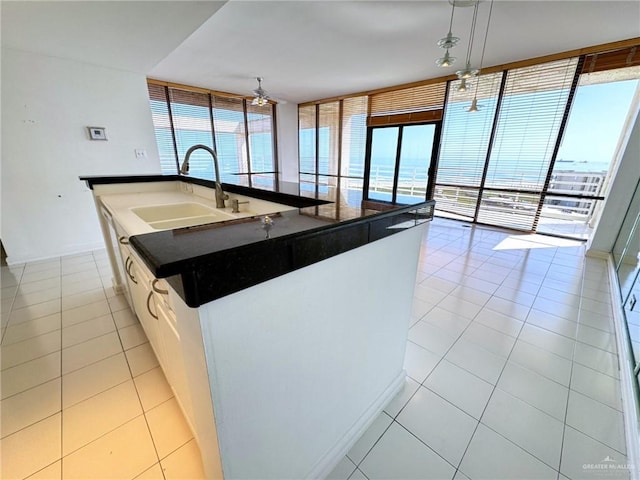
140 153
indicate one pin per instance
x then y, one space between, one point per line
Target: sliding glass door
399 161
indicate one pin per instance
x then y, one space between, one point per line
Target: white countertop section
121 206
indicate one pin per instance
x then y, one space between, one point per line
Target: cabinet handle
127 266
123 240
161 291
149 297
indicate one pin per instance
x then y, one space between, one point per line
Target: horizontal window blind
354 136
307 139
533 107
408 100
510 210
457 202
625 57
197 116
328 138
163 129
609 76
260 129
466 135
192 126
229 127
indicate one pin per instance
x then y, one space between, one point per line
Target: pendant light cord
453 7
473 31
484 45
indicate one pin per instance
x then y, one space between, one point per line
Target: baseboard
631 413
75 250
329 461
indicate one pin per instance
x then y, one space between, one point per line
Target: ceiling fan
260 96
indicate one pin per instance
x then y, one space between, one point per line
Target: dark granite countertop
206 262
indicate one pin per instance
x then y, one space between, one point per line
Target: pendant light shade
474 106
449 41
463 87
467 72
445 61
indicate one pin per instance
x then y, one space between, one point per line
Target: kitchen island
281 350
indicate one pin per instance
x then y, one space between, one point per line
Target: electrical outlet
140 153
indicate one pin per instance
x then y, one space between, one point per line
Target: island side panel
203 420
300 365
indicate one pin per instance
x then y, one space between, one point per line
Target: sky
596 121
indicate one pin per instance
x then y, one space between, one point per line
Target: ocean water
509 172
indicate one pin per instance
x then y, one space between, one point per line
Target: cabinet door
145 307
131 281
175 371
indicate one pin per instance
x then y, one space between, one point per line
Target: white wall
299 366
287 128
619 196
47 103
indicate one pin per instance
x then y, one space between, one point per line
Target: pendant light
261 98
448 42
469 72
474 103
463 87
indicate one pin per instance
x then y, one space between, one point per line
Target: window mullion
213 128
492 136
396 170
556 148
246 139
173 130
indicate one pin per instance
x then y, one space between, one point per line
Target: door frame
431 169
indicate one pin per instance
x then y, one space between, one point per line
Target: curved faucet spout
184 170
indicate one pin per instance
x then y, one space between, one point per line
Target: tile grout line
144 413
61 390
495 386
566 411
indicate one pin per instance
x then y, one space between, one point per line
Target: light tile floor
83 395
511 364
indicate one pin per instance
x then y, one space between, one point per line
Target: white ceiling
306 50
127 35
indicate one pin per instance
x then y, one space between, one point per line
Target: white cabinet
151 303
172 355
143 301
116 239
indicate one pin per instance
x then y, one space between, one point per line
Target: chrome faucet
184 170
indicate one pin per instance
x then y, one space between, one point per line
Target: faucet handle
235 205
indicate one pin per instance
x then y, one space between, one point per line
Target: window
307 143
192 126
533 106
260 128
404 126
401 158
603 102
241 134
229 128
331 145
494 164
163 129
464 146
510 164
